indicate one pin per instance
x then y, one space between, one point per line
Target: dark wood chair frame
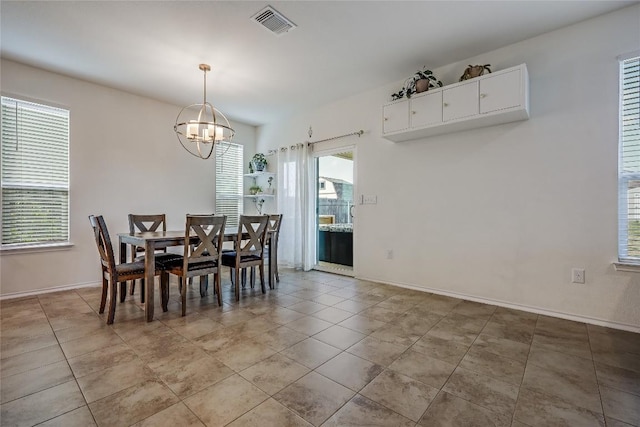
113 274
200 258
248 248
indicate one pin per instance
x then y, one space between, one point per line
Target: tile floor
319 350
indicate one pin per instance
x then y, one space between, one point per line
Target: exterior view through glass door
334 212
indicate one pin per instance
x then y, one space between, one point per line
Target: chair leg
105 288
217 288
184 295
237 284
262 278
143 289
164 289
133 287
204 285
253 277
112 303
123 291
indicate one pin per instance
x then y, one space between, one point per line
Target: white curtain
296 246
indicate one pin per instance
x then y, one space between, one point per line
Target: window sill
627 266
26 249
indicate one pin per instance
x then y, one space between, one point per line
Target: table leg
123 259
150 270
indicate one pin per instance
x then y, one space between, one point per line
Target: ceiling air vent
273 21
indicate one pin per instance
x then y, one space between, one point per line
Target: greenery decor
421 81
259 162
255 189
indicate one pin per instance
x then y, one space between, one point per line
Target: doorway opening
334 212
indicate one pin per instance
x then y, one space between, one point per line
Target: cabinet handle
483 95
444 104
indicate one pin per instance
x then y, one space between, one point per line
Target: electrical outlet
389 253
577 275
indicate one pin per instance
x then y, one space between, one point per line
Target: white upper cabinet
492 99
426 109
460 101
396 117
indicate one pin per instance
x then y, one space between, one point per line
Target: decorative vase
258 166
422 85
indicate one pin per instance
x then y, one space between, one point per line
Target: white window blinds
629 163
229 162
35 173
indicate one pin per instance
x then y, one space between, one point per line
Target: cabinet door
460 101
500 92
426 109
396 116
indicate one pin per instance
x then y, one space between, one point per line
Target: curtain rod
359 133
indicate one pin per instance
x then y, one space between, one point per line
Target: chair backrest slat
251 234
103 241
210 232
147 222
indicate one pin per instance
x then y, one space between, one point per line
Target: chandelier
198 134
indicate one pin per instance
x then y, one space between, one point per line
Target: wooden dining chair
141 223
202 256
248 248
113 274
271 249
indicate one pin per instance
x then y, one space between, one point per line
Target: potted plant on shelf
259 162
255 189
421 81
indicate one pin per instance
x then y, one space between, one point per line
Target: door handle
351 211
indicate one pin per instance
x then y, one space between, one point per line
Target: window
35 173
629 163
229 182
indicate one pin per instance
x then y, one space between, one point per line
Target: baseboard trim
528 308
14 295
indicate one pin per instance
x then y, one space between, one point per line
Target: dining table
153 240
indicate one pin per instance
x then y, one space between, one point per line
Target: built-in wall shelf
492 99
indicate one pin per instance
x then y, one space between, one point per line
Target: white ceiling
338 49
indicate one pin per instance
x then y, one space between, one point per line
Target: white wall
501 213
124 158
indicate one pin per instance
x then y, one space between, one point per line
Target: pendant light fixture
200 127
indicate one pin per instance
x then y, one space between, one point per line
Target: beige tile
353 306
516 331
449 410
80 417
282 316
101 359
13 346
376 351
417 325
339 337
270 413
101 384
96 341
314 397
541 410
623 341
495 366
233 397
380 313
475 309
327 299
309 325
618 378
275 373
362 324
90 327
502 347
423 368
396 334
307 307
404 395
621 406
611 422
280 338
311 352
360 411
332 314
32 381
196 326
563 344
571 378
243 355
495 395
350 371
446 350
132 404
175 415
457 327
191 373
42 406
30 360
